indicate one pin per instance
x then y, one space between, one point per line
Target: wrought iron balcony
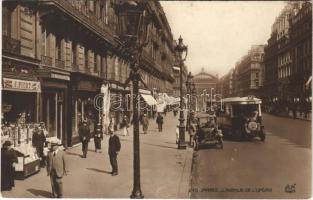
11 45
59 63
46 60
87 18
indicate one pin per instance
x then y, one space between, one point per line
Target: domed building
204 83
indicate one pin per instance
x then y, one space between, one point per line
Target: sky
219 33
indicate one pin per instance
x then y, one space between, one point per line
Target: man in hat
145 123
8 158
84 135
114 148
56 169
159 121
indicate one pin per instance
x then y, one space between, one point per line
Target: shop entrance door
54 113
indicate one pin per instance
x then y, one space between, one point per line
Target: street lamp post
211 99
180 49
132 34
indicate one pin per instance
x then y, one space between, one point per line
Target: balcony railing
88 18
11 45
59 63
46 60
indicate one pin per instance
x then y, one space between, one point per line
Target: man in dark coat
114 148
56 169
98 137
38 141
159 121
8 157
84 135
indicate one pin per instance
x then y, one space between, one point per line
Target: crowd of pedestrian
55 159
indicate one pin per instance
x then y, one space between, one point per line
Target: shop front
20 111
120 104
84 90
54 103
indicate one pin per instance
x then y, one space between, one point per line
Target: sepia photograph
156 99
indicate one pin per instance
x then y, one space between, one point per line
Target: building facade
225 86
288 62
57 54
249 73
204 84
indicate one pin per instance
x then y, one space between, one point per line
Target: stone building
249 73
204 83
288 62
57 54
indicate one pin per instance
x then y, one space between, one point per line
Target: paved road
255 169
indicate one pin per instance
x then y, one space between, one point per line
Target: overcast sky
218 34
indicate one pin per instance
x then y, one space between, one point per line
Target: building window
86 57
73 53
58 52
43 41
6 21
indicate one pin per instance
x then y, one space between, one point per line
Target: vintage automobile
207 131
241 117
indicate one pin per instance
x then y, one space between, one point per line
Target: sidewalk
165 170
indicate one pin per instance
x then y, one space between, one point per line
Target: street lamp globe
132 20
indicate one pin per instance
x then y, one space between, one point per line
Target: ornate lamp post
188 86
132 33
180 50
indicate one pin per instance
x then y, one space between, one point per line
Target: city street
165 170
255 169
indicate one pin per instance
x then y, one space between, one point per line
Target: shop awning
149 99
20 85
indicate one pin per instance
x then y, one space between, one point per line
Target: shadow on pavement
99 170
41 193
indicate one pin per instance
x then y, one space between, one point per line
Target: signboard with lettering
20 85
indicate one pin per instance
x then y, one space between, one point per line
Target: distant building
249 73
225 85
204 82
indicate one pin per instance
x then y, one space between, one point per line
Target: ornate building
249 73
57 54
204 83
288 62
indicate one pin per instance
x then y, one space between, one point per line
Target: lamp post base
136 195
182 145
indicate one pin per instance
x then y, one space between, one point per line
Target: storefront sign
21 85
60 76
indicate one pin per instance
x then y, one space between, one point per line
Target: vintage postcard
156 99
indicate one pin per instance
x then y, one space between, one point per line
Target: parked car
207 131
241 117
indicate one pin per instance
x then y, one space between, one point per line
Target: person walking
145 123
159 121
84 135
8 158
125 124
56 169
98 137
114 148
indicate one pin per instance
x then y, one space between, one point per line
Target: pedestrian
56 169
192 131
125 124
97 138
38 141
159 121
84 135
145 123
8 160
114 148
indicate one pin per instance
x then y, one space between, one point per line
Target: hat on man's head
7 143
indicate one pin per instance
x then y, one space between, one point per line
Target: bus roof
242 100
